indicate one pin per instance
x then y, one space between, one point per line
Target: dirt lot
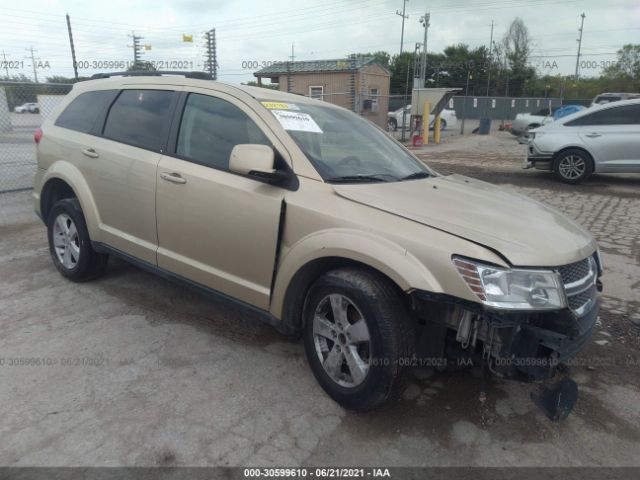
133 370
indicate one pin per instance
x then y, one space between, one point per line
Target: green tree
380 57
142 66
516 48
626 70
270 86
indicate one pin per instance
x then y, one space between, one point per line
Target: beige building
358 84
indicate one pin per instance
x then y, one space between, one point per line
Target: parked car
27 108
613 97
527 121
447 118
308 216
601 139
566 110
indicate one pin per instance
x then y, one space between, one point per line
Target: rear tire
443 124
70 245
392 125
573 166
358 335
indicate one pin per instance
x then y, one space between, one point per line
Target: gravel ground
135 370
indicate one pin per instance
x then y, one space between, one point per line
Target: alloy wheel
342 340
66 242
572 167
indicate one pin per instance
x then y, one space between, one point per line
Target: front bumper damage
534 158
528 346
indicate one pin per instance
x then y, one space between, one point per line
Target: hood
524 231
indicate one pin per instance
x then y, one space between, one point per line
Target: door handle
593 135
90 152
172 177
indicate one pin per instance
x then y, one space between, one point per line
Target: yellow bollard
426 109
436 130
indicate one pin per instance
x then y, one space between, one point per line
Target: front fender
71 175
368 248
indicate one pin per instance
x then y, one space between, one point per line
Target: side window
625 115
211 127
82 113
140 118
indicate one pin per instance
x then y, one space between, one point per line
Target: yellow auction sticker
279 106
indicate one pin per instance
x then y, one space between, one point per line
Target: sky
252 32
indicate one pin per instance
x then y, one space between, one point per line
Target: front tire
573 166
70 245
357 335
392 124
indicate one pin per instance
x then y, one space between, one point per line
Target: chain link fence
23 108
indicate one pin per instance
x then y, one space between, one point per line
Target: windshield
344 147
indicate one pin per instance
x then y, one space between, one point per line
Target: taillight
37 136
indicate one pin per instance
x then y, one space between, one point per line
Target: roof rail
153 73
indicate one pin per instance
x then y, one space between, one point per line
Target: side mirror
255 161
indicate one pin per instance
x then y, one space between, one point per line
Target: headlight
513 289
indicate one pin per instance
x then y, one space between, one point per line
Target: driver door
217 228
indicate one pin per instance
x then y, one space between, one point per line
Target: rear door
122 176
613 135
215 227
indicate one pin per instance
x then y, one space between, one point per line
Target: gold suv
320 223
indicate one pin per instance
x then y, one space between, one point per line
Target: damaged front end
515 343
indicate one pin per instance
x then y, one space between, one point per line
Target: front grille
579 280
575 271
577 301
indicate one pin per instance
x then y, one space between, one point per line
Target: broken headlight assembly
512 289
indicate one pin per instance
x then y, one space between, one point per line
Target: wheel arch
63 180
311 258
573 147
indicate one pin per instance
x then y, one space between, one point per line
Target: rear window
81 114
140 118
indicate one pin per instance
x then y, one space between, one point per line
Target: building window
373 93
317 92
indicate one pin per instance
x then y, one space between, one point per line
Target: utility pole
404 17
490 62
73 50
211 54
423 67
579 45
137 48
293 56
464 105
33 63
6 66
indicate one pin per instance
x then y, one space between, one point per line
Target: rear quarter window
83 112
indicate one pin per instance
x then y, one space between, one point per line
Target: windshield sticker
280 106
298 121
